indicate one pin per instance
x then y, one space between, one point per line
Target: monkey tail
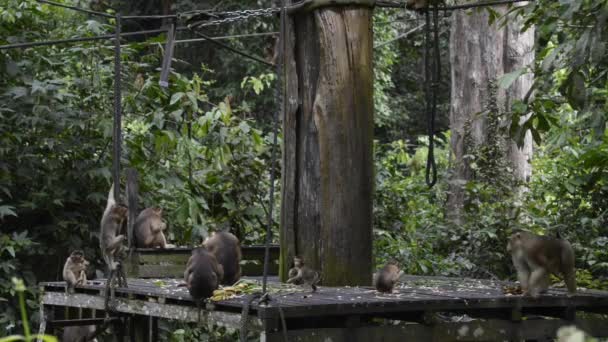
132 202
111 199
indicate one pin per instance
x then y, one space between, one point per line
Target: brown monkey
304 275
203 274
535 257
81 333
111 223
293 272
227 250
420 4
387 277
74 270
148 228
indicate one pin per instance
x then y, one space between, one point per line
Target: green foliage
205 161
12 249
408 216
20 289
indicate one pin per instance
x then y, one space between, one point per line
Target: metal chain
235 16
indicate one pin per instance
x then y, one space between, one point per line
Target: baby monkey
535 257
387 277
74 270
301 274
148 228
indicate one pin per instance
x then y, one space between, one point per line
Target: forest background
202 146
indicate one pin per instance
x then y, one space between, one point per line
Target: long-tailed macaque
111 223
535 257
81 333
74 270
387 277
203 274
148 228
304 275
420 4
227 250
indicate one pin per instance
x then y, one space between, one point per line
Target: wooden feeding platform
170 262
421 308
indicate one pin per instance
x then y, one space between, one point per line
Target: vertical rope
431 81
117 112
280 101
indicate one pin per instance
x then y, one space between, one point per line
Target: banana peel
229 292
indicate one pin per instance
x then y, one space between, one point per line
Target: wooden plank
140 307
489 330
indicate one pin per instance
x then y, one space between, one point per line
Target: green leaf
7 210
507 79
11 250
176 97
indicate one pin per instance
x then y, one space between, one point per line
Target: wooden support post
328 135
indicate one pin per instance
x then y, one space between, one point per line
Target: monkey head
77 256
119 213
514 241
298 261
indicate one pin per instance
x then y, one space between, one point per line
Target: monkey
387 277
81 333
419 5
227 250
304 275
111 223
293 272
74 270
535 257
148 228
203 275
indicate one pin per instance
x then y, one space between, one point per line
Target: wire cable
230 48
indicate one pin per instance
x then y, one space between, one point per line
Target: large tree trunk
519 52
480 54
328 178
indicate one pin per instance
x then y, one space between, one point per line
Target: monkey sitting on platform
148 229
227 250
301 274
536 257
387 277
74 270
203 274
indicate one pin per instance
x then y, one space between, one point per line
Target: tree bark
327 175
519 52
480 54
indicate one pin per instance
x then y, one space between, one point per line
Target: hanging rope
117 111
280 100
431 81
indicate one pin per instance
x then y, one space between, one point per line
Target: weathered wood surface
149 308
412 299
477 330
171 262
326 213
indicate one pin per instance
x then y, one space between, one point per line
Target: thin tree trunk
328 166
